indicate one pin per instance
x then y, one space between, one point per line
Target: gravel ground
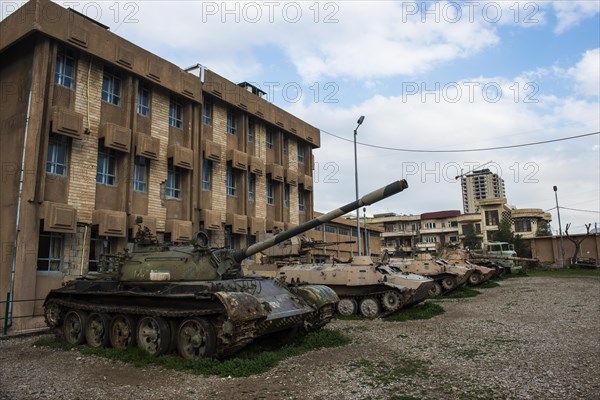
530 338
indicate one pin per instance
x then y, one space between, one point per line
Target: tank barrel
368 199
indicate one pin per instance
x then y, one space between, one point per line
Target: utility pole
562 245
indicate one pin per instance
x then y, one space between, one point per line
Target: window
65 68
173 186
300 153
344 231
429 225
453 224
207 112
206 173
230 181
49 256
175 113
228 237
57 154
285 145
140 174
143 101
355 232
491 217
111 86
98 245
454 239
286 195
301 198
231 122
269 138
429 239
270 200
330 229
251 186
522 225
107 165
250 240
251 130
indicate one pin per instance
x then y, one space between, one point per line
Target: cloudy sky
427 76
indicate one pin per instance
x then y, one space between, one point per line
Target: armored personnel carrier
446 277
480 273
362 286
191 298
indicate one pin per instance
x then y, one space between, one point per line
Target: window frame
55 242
231 122
55 142
300 153
251 186
230 183
286 195
269 138
175 113
206 174
64 57
301 206
143 93
270 190
173 187
107 160
140 174
207 113
111 86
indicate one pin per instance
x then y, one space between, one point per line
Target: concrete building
344 230
524 221
426 232
480 185
96 131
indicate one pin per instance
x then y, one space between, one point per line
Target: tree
470 240
398 252
543 229
522 247
576 242
504 232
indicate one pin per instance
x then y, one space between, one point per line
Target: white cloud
586 73
570 13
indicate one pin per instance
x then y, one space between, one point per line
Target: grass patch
383 374
565 272
246 363
488 284
424 310
461 293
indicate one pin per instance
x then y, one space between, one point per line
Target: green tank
193 298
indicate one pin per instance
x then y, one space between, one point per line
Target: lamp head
360 120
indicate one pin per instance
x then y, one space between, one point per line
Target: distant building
480 185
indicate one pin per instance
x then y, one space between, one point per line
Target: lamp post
367 250
562 246
359 122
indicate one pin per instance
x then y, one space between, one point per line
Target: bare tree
576 242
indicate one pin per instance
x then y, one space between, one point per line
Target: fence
6 320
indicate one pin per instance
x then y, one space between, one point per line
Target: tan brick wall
84 152
158 169
293 165
74 248
261 183
219 191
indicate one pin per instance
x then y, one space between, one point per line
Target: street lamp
359 122
367 250
562 246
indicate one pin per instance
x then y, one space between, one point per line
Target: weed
246 363
383 374
462 293
424 310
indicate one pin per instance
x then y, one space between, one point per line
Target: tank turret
191 298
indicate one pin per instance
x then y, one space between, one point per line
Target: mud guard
316 295
241 306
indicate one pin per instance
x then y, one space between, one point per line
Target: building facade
97 132
480 185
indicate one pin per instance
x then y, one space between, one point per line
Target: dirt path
530 338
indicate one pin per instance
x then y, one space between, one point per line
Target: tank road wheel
369 307
196 339
154 335
391 300
347 307
435 290
122 331
74 326
96 330
475 279
449 283
53 314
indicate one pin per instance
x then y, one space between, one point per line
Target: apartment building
96 132
480 185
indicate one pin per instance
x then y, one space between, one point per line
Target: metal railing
7 319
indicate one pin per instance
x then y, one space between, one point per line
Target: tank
480 273
446 277
363 287
192 299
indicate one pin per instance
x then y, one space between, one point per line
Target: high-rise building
480 185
